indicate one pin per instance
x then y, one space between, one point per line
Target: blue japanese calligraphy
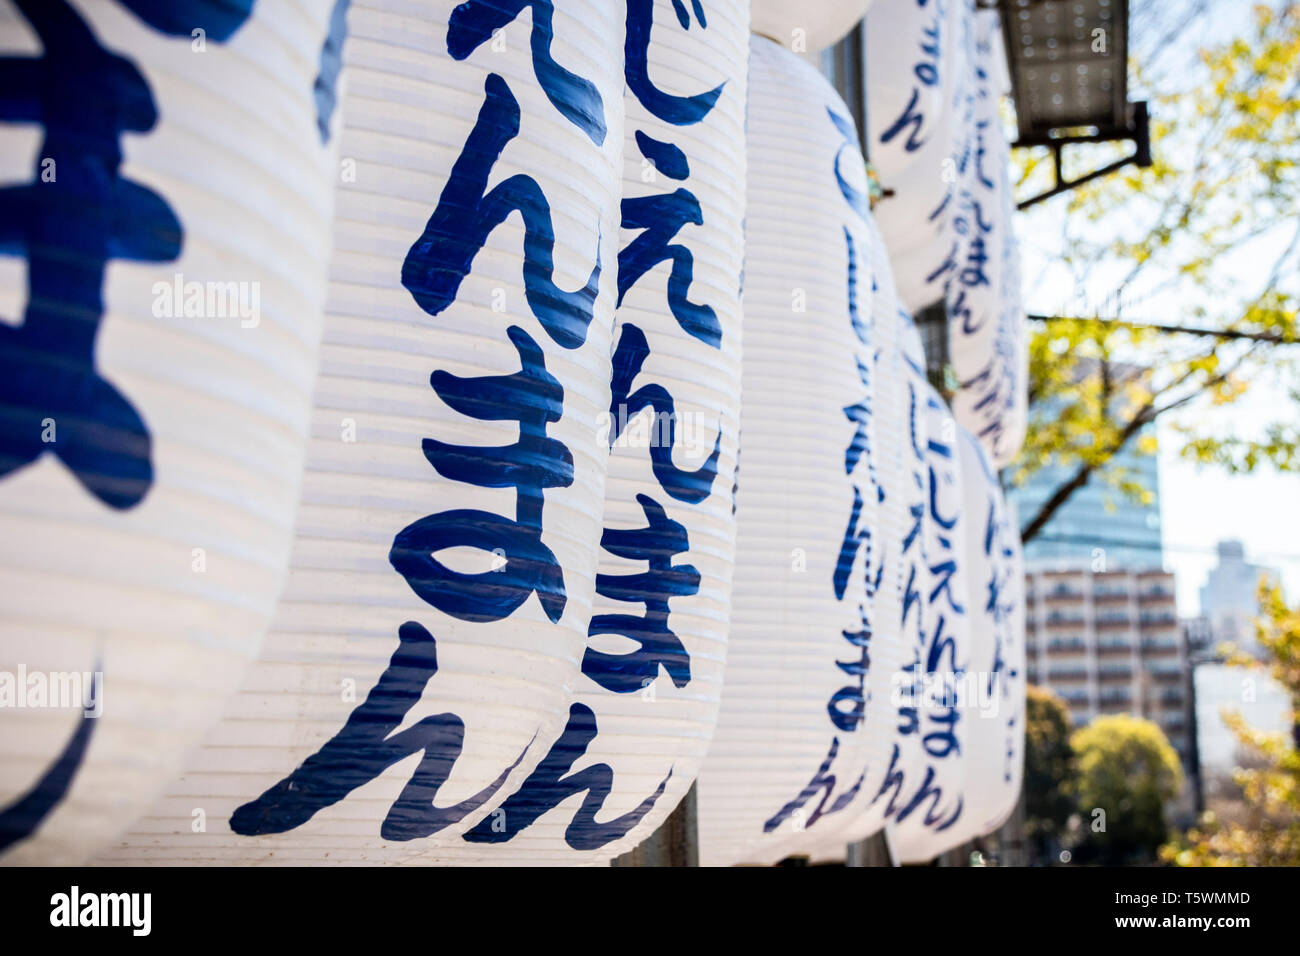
656 544
554 782
533 398
367 746
846 707
927 71
21 818
823 782
661 217
900 810
466 214
691 487
578 100
432 272
331 61
677 110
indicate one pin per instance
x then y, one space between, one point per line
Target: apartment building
1110 642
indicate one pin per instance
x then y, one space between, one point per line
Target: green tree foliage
1270 836
1127 775
1049 766
1225 182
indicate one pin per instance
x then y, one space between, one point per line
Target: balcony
1065 644
1066 91
1166 619
1154 648
1067 674
1113 648
1057 619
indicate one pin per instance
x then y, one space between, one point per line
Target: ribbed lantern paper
937 142
808 26
163 258
924 800
995 744
804 726
900 422
920 103
645 705
987 338
422 662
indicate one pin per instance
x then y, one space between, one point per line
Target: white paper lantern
166 238
644 708
423 659
900 420
937 142
920 115
924 802
804 726
994 752
987 339
808 26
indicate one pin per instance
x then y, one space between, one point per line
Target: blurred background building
1262 702
1110 642
1229 606
1229 598
1103 630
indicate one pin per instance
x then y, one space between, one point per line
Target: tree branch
1226 334
1148 413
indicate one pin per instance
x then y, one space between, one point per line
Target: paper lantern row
870 529
508 594
934 82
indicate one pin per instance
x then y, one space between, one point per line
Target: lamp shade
430 639
803 726
987 339
646 702
805 27
924 801
901 423
920 112
163 265
994 754
938 144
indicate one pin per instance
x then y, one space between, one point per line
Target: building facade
1229 606
1110 642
